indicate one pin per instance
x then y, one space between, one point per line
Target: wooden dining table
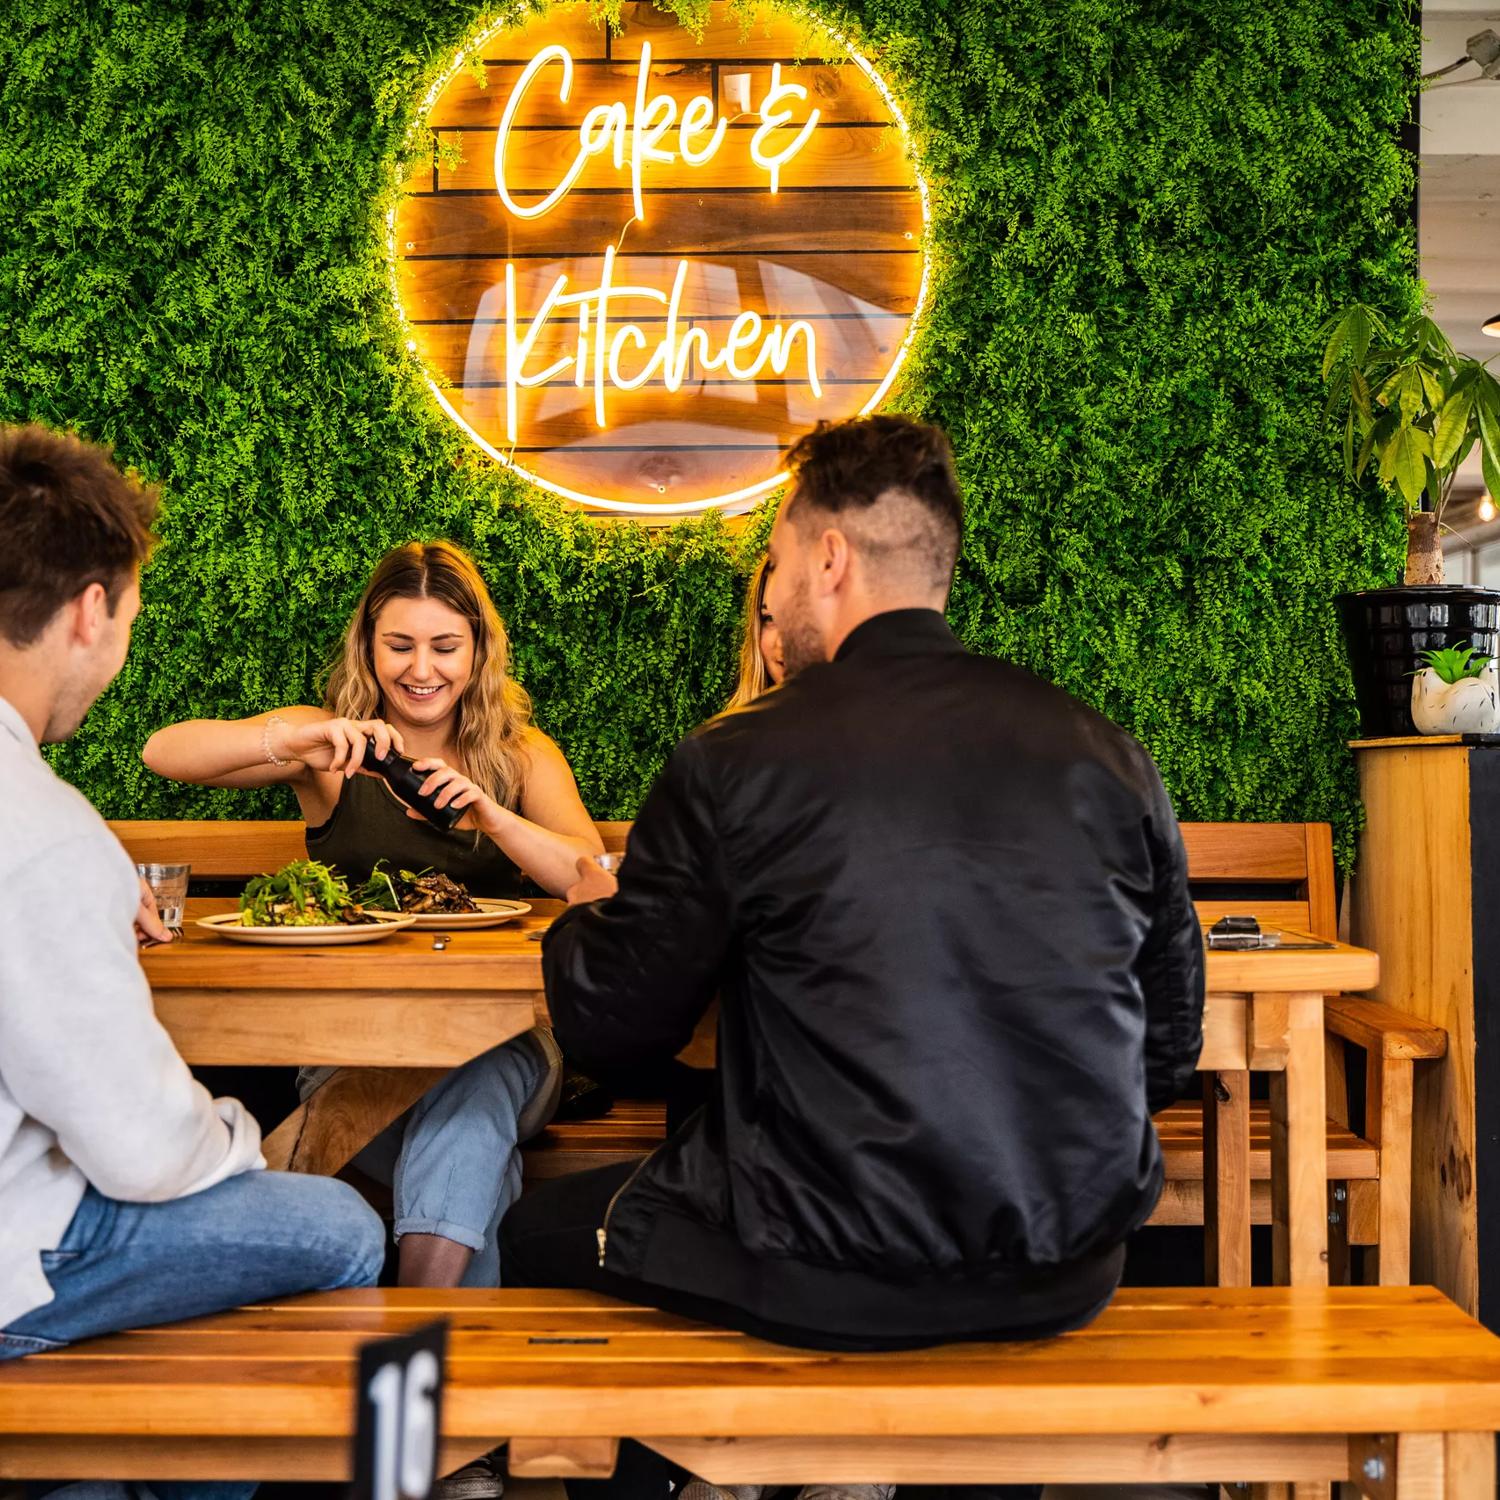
394 1016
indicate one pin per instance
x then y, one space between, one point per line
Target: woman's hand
333 744
451 788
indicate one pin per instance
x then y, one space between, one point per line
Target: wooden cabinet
1426 897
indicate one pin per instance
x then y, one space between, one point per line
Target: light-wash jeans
257 1236
453 1161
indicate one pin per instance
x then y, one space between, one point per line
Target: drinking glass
610 862
169 884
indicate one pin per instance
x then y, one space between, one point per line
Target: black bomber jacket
944 906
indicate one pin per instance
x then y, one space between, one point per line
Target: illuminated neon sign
637 266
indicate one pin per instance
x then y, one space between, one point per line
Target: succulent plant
1454 663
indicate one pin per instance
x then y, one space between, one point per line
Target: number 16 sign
638 264
400 1420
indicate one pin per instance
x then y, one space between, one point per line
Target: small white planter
1471 706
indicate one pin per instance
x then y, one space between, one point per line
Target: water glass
610 862
169 884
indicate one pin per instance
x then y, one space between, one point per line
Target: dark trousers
549 1240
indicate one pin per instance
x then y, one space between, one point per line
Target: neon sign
639 265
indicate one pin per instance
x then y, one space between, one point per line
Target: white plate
490 914
227 925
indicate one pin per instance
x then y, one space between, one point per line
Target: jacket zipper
602 1232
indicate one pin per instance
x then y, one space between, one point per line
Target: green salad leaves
301 894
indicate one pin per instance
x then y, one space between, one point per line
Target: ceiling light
1486 510
1491 326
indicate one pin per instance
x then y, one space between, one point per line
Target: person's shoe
484 1479
701 1489
846 1492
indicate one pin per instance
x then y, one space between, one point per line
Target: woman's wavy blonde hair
754 678
494 711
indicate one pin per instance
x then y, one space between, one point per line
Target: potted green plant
1405 400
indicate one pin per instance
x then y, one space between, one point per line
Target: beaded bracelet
265 740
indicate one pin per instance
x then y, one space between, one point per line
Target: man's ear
87 615
833 561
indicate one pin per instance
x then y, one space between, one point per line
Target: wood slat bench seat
636 1126
1265 1384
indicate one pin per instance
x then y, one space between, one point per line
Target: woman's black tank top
369 823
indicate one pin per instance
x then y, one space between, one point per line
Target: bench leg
1470 1466
1388 1105
565 1458
1226 1179
1299 1150
333 1125
1413 1466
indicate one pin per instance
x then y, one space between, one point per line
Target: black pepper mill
406 782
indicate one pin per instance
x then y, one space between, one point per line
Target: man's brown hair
845 470
68 518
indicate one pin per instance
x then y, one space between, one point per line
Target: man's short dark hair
68 518
845 470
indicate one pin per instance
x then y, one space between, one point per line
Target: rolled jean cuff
460 1234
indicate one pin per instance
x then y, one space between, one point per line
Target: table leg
1299 1150
1226 1178
334 1124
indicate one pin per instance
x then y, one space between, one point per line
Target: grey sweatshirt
92 1091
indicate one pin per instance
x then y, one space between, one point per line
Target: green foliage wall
1143 211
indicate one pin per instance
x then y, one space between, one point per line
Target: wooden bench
1281 872
1391 1388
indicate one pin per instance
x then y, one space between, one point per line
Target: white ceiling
1460 188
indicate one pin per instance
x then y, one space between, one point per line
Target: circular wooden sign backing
639 265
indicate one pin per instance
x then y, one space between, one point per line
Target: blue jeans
257 1236
453 1161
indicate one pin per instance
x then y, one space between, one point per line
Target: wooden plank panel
1382 1028
446 290
231 848
716 1353
444 224
1100 1459
360 1027
1298 1124
1224 1142
765 32
214 849
1246 851
1323 971
833 157
1308 1393
842 95
1293 914
1413 896
846 352
1322 897
763 415
572 26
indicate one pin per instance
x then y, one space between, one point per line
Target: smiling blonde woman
424 666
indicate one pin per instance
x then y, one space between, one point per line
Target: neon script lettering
636 135
599 347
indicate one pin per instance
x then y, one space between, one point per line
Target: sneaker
484 1479
701 1489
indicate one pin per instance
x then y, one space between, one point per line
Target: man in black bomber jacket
945 909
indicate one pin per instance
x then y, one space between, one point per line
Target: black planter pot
1385 629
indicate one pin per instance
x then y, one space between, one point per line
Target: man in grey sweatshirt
128 1195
